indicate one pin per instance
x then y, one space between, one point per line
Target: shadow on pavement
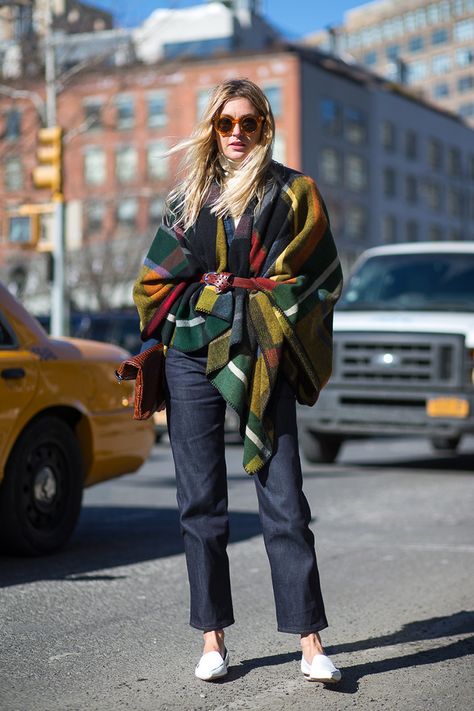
460 464
109 536
353 674
434 628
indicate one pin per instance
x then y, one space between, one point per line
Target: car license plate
447 407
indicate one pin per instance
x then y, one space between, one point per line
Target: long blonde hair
201 166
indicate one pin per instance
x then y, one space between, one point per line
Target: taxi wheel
41 494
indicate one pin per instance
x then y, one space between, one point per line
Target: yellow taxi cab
65 423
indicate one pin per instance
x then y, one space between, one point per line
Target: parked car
403 351
65 423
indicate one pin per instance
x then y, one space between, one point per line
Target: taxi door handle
13 373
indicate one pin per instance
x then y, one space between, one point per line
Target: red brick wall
181 81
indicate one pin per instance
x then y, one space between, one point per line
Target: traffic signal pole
59 300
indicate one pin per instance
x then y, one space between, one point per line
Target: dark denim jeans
196 413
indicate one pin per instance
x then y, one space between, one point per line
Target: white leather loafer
320 669
212 666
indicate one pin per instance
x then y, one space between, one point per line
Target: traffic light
23 230
28 226
49 154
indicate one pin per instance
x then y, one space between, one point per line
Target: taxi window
6 338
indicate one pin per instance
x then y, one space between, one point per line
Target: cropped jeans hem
212 627
305 630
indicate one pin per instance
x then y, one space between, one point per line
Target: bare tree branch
33 96
85 64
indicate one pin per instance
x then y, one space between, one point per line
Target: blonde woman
239 284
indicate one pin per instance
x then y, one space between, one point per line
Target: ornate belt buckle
220 280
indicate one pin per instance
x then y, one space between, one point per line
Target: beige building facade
426 44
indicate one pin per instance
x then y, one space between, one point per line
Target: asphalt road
103 625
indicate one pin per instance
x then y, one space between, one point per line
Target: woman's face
238 144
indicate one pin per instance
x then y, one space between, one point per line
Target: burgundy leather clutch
148 371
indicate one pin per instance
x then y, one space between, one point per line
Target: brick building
118 123
390 167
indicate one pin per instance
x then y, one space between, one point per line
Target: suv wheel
320 449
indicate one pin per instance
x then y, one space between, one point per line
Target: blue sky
294 18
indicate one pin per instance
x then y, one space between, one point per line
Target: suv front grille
398 359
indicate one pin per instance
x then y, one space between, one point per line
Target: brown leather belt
222 281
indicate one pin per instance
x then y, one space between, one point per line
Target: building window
356 173
356 222
197 47
336 206
415 44
156 210
411 145
274 96
393 51
439 36
387 135
94 165
389 182
22 24
331 116
464 57
93 114
331 166
94 212
440 90
466 110
157 161
435 233
389 229
279 148
433 194
441 64
412 231
465 83
355 126
454 202
127 211
435 153
202 98
125 112
370 59
416 72
411 189
157 116
12 128
464 30
126 161
454 162
13 173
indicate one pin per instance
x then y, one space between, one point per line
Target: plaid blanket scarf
284 326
